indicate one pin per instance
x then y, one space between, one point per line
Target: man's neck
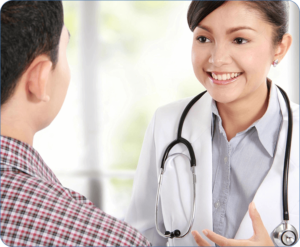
24 133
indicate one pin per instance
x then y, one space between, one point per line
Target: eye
203 39
240 41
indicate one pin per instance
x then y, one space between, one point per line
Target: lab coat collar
267 130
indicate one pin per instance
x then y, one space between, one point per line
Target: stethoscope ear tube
176 233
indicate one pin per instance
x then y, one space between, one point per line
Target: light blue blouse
240 165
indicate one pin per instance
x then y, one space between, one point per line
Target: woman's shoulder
174 107
167 117
295 139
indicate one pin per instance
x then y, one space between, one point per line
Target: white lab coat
176 192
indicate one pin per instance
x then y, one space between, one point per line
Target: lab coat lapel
197 129
268 198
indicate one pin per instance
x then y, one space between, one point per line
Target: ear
37 76
283 47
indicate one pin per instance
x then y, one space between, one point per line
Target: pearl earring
275 63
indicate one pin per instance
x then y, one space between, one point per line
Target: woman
237 130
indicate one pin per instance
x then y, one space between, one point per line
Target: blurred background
127 58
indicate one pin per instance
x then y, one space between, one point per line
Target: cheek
256 61
66 71
196 55
199 56
68 76
65 76
61 81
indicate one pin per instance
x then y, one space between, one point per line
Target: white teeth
224 76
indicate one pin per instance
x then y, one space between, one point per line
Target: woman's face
232 51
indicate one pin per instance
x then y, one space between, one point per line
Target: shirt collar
268 125
25 158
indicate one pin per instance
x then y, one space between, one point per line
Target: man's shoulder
57 216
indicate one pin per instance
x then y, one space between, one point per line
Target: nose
220 55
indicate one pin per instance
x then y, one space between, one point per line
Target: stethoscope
284 233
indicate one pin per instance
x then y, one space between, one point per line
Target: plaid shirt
36 210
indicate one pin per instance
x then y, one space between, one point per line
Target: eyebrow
235 29
229 31
205 28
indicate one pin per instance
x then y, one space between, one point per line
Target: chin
222 97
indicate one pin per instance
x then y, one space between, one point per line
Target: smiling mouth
224 76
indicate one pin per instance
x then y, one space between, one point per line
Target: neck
16 127
239 115
17 133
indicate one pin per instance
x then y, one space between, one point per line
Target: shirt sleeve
35 212
141 213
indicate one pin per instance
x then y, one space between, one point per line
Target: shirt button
225 159
217 205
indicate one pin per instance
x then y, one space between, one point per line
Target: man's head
28 29
34 68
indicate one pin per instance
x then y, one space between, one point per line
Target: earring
275 63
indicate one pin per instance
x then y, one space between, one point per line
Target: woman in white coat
237 130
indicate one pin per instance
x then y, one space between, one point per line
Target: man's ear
37 76
283 47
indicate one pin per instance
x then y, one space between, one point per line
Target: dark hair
28 29
274 12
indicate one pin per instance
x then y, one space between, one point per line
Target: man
36 210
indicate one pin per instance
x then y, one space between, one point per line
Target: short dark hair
274 12
28 29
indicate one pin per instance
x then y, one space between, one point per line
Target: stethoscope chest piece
285 234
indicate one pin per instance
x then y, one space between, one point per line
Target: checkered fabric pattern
36 210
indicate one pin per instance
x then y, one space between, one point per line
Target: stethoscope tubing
180 139
185 112
193 208
286 156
